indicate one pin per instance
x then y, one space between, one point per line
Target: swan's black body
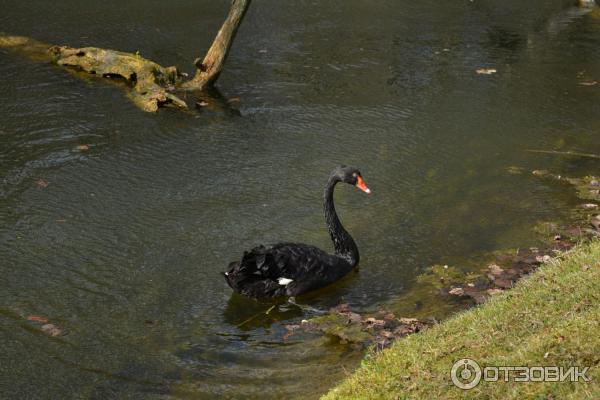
290 269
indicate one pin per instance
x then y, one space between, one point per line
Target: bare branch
210 68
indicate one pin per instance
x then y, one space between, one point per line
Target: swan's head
351 176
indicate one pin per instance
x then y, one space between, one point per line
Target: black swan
290 269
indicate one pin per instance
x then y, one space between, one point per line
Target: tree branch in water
210 68
564 153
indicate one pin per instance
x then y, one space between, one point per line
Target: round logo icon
465 374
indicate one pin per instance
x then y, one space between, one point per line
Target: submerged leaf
37 318
52 330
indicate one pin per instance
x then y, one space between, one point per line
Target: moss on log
150 82
31 48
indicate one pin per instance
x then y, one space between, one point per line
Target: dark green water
124 246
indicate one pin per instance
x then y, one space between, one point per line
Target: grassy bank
549 318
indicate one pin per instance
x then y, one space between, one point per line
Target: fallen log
151 85
150 82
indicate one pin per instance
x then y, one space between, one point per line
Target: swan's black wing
285 269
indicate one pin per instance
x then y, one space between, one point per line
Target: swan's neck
342 241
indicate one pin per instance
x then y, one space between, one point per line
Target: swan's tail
251 276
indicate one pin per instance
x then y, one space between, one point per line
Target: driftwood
152 86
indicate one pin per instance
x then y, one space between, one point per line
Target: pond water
123 247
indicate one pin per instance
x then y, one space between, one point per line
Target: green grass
549 318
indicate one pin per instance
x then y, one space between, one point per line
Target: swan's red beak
362 185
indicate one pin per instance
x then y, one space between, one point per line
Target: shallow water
124 246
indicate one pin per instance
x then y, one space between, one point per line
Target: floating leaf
514 170
52 330
37 318
457 291
486 71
